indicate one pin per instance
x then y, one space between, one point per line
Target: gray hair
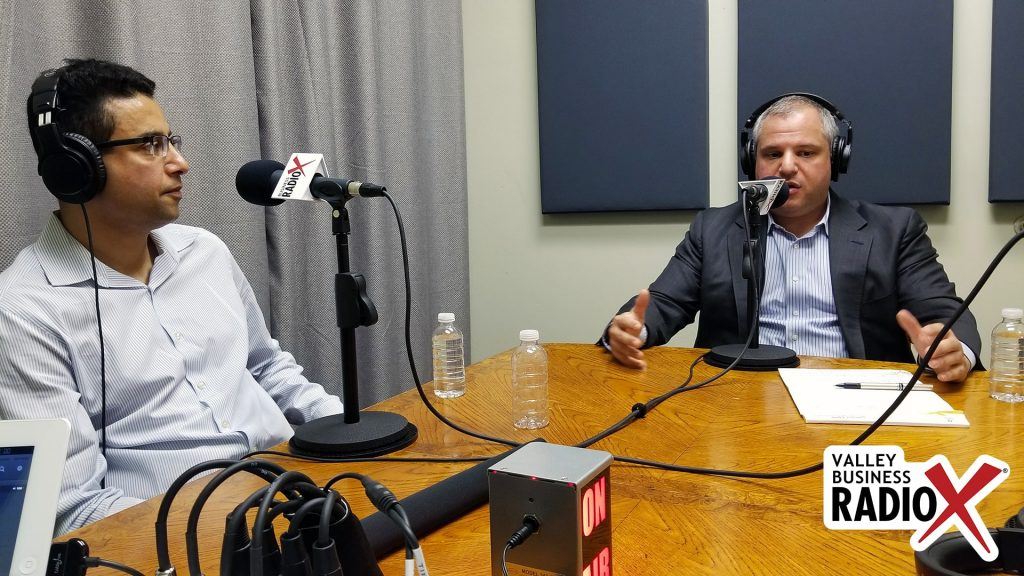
787 105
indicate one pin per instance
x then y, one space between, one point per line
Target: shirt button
795 279
796 312
178 335
225 424
793 337
201 386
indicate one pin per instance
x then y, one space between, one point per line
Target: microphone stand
755 357
353 433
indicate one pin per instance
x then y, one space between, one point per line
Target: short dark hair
84 89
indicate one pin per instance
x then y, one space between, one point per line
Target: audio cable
71 558
289 478
385 501
408 340
236 542
530 527
266 470
638 411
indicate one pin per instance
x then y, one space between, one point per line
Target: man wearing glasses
191 372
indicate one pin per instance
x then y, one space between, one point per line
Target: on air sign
874 488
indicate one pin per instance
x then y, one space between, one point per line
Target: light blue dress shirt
192 372
798 310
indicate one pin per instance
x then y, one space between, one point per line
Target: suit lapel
848 248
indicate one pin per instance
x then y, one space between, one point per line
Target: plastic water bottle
449 361
1007 368
529 382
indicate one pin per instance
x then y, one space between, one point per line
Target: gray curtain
374 86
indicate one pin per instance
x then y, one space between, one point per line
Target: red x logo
300 167
956 502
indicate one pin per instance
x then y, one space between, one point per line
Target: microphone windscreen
255 181
432 507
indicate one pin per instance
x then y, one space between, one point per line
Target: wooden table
663 522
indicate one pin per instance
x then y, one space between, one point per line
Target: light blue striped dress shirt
798 310
192 372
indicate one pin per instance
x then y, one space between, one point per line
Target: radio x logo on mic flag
874 488
298 174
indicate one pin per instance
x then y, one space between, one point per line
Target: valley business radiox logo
874 488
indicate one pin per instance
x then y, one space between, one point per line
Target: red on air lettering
600 565
595 506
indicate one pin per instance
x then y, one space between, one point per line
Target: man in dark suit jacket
885 277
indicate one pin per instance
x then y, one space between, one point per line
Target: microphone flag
297 176
771 185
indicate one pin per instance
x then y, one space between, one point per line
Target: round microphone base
760 359
375 434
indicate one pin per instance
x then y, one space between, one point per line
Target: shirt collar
822 224
66 262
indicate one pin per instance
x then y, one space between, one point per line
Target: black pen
881 386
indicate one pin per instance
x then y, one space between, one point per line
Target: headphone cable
103 360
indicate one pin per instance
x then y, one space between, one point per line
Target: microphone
759 197
257 180
767 194
352 433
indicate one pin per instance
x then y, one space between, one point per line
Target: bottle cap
529 335
1013 313
446 317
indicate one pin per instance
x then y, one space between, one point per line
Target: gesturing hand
949 362
624 333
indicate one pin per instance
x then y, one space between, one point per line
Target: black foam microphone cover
432 507
256 180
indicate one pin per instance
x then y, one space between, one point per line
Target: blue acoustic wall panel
887 65
1006 151
623 104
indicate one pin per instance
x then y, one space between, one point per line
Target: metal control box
568 490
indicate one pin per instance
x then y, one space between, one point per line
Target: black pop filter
255 181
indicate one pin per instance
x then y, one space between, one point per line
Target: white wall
567 274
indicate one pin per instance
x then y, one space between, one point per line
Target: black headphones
70 164
952 555
839 154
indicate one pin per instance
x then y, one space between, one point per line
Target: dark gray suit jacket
881 261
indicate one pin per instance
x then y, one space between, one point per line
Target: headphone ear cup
75 173
747 160
835 159
840 157
844 156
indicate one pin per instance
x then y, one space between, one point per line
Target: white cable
421 563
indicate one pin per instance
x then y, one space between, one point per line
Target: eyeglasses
156 145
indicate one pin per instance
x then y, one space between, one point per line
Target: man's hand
624 333
949 362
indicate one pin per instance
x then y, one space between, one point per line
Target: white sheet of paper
818 400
